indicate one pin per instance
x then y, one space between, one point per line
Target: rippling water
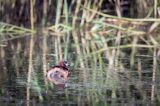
85 87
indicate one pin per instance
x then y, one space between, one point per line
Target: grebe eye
66 63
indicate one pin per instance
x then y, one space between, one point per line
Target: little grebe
59 73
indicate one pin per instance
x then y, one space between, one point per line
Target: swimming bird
59 73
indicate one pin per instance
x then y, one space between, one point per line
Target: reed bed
94 38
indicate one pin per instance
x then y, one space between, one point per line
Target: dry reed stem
84 14
134 49
118 38
60 49
58 13
93 14
126 46
139 69
30 54
75 37
155 8
44 44
78 3
154 75
124 18
44 61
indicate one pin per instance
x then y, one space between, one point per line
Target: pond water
86 86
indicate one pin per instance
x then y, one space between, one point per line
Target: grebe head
64 64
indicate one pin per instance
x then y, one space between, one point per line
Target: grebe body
58 74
